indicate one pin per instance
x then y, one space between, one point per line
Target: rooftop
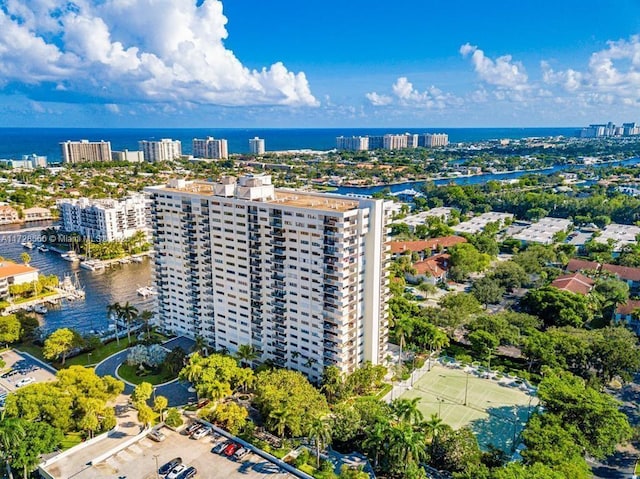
575 283
319 202
432 243
8 270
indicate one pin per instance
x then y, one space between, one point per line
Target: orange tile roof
629 307
623 272
8 270
575 283
430 244
581 265
435 266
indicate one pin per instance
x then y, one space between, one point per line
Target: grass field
495 413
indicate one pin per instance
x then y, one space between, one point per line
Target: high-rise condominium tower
300 276
210 148
256 146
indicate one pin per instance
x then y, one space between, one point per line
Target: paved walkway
176 392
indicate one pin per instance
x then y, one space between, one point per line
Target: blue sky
284 63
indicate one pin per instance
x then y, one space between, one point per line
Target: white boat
124 261
145 291
92 264
40 309
43 249
136 259
27 244
70 256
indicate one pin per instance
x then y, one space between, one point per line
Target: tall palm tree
403 328
129 313
320 432
407 410
433 428
11 433
246 354
199 345
407 445
146 316
114 310
376 440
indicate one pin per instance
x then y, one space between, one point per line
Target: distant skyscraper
300 276
353 143
412 140
84 151
163 150
256 146
210 148
376 142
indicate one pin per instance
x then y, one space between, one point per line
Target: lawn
97 354
130 373
32 349
71 439
497 414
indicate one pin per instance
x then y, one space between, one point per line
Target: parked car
231 449
192 428
167 468
188 473
200 433
176 471
240 453
156 435
25 381
221 446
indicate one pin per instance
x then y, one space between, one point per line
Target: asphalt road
176 392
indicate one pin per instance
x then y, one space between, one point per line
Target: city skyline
188 63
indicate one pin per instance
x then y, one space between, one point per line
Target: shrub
174 418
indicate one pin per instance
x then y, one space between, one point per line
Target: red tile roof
623 272
435 266
629 307
582 265
8 270
576 283
430 244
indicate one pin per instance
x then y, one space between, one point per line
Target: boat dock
58 296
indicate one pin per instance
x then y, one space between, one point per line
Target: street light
466 388
88 358
155 456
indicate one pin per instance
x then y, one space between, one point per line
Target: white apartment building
164 150
352 143
85 151
135 156
256 146
478 223
394 142
544 231
431 140
104 219
300 276
210 148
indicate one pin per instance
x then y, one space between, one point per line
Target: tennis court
496 413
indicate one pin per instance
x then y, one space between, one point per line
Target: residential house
8 215
581 265
432 270
625 273
625 313
425 248
37 214
574 282
14 273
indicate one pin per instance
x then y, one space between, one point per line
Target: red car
231 449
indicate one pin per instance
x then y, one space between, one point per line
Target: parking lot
139 460
26 367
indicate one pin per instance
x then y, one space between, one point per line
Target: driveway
176 392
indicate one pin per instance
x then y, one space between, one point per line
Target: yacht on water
40 309
92 264
43 249
145 291
70 256
27 244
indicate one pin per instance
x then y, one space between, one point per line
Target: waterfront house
8 215
37 214
13 273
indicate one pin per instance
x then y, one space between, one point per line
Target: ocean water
15 142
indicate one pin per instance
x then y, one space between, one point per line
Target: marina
83 294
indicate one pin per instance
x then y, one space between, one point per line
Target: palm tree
199 345
376 439
114 310
407 410
246 353
11 432
128 312
403 328
433 428
407 446
145 317
320 432
279 418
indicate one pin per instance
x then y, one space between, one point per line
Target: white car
176 471
25 381
200 433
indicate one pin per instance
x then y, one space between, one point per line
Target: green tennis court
496 413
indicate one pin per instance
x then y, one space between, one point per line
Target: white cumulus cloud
405 94
612 74
502 72
141 50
